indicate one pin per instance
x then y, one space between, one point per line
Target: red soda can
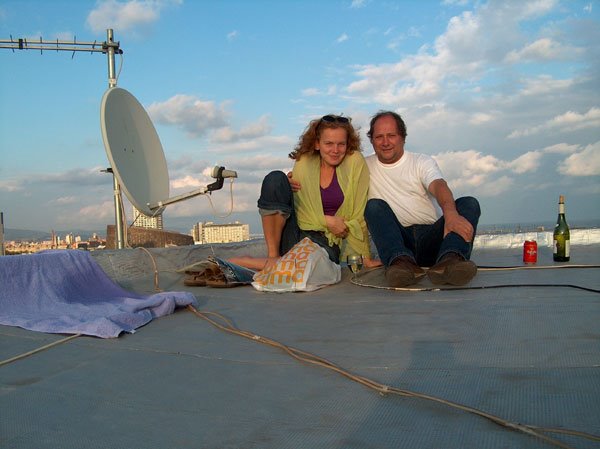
530 251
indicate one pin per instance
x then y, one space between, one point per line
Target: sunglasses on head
335 119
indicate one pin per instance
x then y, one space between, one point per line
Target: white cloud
582 163
473 47
467 164
96 213
10 185
567 122
481 117
311 92
65 200
543 49
561 148
193 115
342 38
74 177
127 15
543 84
396 41
232 35
258 129
527 162
264 143
359 3
588 8
494 188
456 2
537 8
469 171
187 182
572 121
419 78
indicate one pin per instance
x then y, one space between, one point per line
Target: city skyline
505 96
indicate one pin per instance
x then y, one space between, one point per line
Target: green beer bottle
562 238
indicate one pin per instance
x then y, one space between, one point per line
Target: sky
505 95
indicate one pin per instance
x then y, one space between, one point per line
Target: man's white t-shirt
403 185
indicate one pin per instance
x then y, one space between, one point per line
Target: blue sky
504 94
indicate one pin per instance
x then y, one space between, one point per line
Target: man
402 218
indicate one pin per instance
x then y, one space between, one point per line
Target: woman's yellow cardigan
353 177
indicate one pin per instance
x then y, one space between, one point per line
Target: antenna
110 48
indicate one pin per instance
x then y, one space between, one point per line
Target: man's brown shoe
452 269
402 272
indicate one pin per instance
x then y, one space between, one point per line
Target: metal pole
118 215
2 253
110 53
112 82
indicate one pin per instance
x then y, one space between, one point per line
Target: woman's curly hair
307 142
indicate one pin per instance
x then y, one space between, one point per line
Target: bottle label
561 246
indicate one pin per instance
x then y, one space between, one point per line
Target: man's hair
399 122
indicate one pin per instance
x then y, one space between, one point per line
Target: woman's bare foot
254 263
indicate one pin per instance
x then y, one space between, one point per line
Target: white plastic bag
305 267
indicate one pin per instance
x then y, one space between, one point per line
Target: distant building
142 220
148 238
210 232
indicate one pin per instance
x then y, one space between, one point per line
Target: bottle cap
561 199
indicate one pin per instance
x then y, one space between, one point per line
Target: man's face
387 142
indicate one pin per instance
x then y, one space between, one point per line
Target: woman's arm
357 187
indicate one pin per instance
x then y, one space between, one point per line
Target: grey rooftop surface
525 354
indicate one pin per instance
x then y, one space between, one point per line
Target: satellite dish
134 150
137 158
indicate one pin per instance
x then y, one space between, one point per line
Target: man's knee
375 207
467 205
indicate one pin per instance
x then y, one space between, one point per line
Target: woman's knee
275 179
276 193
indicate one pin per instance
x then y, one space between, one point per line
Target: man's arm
453 222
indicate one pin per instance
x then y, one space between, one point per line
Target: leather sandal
199 278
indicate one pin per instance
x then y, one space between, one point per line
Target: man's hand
453 222
295 185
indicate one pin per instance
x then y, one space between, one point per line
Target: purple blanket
67 292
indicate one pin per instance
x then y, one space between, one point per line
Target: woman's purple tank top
332 197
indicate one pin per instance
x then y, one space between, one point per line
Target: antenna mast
111 48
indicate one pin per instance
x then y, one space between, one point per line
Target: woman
331 181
